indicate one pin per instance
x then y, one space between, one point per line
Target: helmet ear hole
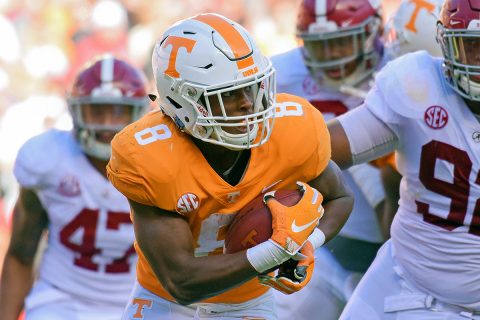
174 103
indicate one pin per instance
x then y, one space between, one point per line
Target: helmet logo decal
419 4
250 72
176 43
436 117
234 39
187 203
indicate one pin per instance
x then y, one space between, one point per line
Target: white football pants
47 302
144 304
383 294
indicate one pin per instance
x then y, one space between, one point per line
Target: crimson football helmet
107 94
199 63
342 41
458 32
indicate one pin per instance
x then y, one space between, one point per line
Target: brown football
253 224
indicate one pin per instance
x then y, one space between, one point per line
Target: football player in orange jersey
221 138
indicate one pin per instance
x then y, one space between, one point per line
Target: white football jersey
436 231
90 250
293 77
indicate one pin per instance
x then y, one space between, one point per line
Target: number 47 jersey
436 232
90 250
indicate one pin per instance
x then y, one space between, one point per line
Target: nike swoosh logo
270 186
297 229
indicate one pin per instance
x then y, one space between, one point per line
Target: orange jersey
388 159
155 164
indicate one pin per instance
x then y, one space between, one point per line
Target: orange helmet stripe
233 38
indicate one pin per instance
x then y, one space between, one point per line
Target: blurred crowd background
44 42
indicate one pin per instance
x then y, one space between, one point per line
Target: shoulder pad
39 156
410 83
300 131
146 157
288 66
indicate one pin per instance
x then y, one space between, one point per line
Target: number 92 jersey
90 250
436 232
155 164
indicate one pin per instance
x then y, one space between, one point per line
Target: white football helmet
205 57
413 27
458 32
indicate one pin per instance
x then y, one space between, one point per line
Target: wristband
317 238
266 256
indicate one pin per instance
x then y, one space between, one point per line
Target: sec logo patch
436 117
187 203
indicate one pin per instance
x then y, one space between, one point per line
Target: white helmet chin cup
91 146
471 88
213 55
236 141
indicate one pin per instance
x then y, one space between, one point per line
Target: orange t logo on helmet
176 43
234 39
419 4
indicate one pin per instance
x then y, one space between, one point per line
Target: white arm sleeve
368 179
369 137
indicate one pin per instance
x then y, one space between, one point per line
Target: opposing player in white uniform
333 71
428 109
88 268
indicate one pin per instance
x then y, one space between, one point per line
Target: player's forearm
336 214
17 280
195 279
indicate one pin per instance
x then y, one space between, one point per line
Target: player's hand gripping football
292 275
292 225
